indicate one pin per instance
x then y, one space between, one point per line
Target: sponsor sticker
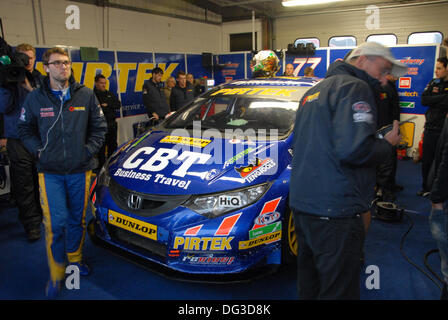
410 105
279 92
195 142
209 260
230 201
362 112
255 169
404 83
361 107
203 243
263 239
139 227
76 108
265 230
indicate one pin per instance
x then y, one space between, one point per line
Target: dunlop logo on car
139 227
267 238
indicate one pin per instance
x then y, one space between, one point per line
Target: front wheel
289 238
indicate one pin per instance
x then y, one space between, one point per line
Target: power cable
407 258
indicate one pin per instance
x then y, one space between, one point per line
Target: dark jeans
329 257
386 171
24 184
430 138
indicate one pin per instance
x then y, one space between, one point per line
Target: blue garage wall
126 71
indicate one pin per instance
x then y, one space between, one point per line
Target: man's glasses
59 63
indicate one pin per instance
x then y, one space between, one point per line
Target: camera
12 65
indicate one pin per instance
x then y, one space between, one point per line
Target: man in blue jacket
333 170
62 126
24 185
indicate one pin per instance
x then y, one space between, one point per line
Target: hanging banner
230 67
420 61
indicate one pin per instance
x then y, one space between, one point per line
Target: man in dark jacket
438 220
110 105
63 127
24 182
182 93
333 171
435 96
153 96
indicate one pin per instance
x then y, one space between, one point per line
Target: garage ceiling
232 10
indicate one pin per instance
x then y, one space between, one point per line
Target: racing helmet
265 64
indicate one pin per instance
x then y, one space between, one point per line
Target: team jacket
113 104
67 137
438 178
154 99
435 96
335 147
181 96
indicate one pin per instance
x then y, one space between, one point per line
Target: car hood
171 164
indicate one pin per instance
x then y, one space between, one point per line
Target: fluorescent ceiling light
292 3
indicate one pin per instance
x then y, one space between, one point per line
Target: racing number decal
303 61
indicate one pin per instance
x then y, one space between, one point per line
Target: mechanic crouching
62 126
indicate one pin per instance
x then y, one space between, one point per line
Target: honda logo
135 202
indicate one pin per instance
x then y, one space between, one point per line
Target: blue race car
206 191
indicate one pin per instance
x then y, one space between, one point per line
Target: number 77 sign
300 62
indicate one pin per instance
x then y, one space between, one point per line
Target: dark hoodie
66 132
335 147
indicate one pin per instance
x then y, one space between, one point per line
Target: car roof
277 81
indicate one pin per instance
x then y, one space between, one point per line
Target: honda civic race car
205 192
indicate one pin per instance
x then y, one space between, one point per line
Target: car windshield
238 111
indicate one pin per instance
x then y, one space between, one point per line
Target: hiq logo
230 201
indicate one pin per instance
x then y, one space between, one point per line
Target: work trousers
24 184
430 138
329 256
64 200
386 171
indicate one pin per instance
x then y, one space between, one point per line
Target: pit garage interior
402 252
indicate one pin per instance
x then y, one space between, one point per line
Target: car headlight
218 204
103 176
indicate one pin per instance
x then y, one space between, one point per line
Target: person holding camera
24 182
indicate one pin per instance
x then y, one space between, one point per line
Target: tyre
289 238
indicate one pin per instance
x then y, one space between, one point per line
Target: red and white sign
404 83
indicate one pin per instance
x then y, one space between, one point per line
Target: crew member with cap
333 171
